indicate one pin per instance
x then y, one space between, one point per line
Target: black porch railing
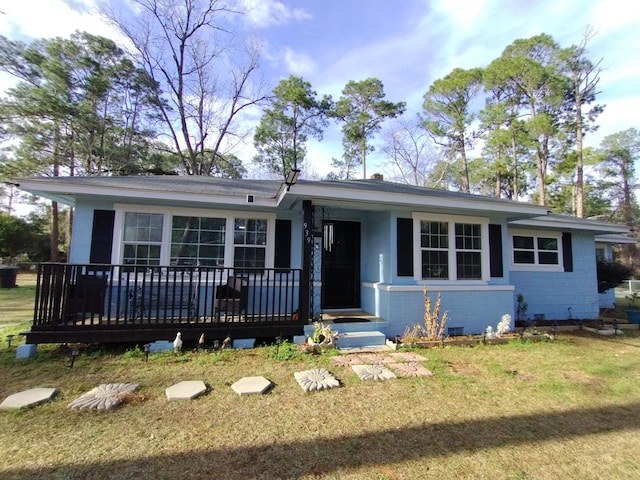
126 298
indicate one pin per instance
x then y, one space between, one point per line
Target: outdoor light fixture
292 177
74 353
147 349
216 344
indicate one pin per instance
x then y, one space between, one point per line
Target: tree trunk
580 163
55 231
465 166
363 154
514 156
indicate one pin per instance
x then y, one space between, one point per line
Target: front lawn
563 409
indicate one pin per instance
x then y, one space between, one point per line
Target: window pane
467 236
197 241
523 242
434 234
548 243
249 257
523 256
155 234
213 238
435 264
141 255
548 258
142 227
468 265
250 232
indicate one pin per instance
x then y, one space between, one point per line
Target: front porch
130 304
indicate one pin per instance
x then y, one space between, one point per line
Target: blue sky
407 44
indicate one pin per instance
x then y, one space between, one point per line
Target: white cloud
265 13
52 18
299 63
462 13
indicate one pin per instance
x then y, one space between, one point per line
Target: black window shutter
495 251
567 252
283 244
102 236
405 247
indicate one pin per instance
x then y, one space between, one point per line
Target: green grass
16 308
563 409
16 304
546 410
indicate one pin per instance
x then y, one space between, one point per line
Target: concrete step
361 339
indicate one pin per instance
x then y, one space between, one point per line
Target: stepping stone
28 398
187 390
251 386
105 396
410 369
346 360
373 372
376 358
408 357
316 379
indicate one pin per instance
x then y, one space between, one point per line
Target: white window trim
451 220
169 212
535 267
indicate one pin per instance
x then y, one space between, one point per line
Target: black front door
341 265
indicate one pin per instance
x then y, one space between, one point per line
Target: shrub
611 274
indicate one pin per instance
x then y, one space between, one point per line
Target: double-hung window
250 243
434 243
142 238
532 250
451 248
468 251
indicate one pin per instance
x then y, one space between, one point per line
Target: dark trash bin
8 277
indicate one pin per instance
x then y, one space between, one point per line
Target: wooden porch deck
131 304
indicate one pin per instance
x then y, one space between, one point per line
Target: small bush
611 274
285 351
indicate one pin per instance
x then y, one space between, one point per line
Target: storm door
340 265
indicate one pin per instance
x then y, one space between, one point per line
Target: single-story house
245 257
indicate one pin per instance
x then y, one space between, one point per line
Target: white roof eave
571 223
67 193
319 193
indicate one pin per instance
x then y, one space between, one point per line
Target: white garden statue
504 326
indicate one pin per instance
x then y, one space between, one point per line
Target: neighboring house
363 245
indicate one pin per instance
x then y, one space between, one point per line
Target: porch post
307 252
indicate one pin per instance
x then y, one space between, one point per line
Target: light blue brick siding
81 234
607 299
554 293
377 252
473 310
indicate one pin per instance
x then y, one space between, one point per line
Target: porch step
360 340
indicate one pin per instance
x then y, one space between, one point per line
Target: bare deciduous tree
410 154
204 79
